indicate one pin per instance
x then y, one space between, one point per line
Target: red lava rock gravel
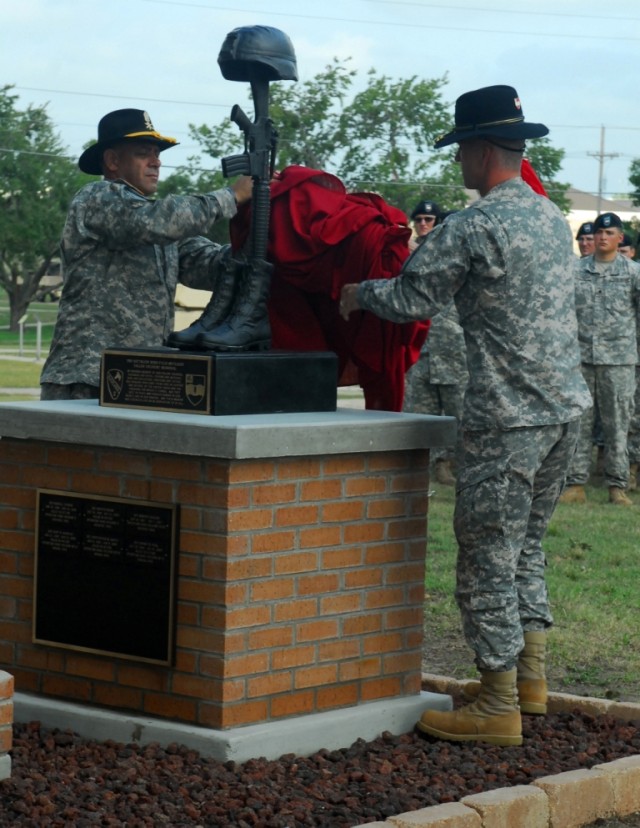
59 779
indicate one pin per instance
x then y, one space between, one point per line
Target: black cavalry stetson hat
492 112
118 126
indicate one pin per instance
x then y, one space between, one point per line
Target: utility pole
601 156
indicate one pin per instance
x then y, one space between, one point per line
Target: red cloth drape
529 175
320 238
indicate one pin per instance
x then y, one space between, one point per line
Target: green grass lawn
17 373
593 555
20 362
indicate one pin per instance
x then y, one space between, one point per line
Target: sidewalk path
12 392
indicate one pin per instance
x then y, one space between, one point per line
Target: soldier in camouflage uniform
123 253
607 286
504 261
627 247
435 384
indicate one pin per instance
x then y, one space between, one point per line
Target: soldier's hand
349 300
242 188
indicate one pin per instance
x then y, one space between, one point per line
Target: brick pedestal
300 566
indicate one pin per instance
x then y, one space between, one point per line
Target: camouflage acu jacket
122 255
445 349
507 261
608 309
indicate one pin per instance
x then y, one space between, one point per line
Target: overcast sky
574 64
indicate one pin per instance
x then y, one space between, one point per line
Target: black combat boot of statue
227 281
246 327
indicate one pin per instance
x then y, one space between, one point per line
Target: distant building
584 207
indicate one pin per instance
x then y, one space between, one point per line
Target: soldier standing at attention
504 260
607 286
584 237
435 383
123 253
424 217
627 248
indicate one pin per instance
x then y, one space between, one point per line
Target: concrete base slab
301 736
5 767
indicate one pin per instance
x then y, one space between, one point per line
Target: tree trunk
22 290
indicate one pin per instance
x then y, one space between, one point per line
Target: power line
610 127
374 184
413 24
115 97
429 6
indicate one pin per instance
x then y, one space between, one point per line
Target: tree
546 161
634 180
387 136
307 116
36 185
379 139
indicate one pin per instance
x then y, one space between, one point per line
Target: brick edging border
6 723
565 800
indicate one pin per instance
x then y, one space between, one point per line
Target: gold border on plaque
173 510
158 356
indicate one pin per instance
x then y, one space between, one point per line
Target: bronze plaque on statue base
212 382
105 575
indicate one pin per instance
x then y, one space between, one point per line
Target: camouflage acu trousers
507 488
421 396
633 442
75 391
613 387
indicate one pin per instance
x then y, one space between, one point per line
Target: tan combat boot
573 494
444 474
617 496
633 477
494 717
531 680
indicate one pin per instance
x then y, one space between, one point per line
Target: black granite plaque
245 382
105 575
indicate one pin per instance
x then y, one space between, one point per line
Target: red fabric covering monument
321 237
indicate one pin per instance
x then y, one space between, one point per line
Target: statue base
222 383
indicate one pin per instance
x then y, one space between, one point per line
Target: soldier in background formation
627 248
586 246
607 290
584 237
435 384
424 217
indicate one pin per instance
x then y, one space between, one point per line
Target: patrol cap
426 208
585 229
607 220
